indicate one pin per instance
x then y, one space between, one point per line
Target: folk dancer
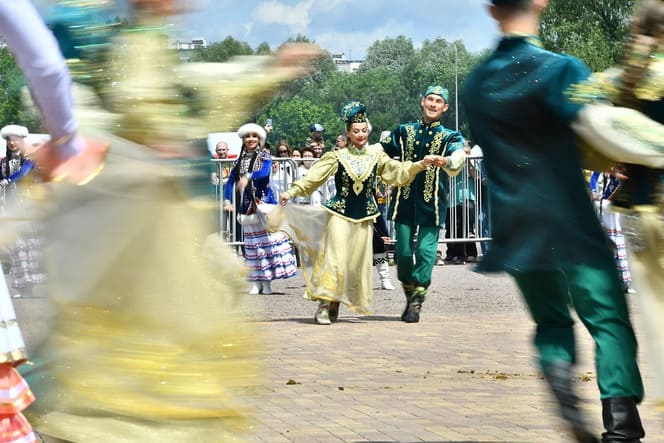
418 209
334 272
538 196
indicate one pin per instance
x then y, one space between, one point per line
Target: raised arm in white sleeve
39 57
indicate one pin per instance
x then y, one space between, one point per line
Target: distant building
346 64
186 48
194 43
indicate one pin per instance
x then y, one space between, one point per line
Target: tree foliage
394 74
292 117
222 51
593 30
392 54
263 49
12 83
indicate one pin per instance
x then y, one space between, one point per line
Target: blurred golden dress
147 344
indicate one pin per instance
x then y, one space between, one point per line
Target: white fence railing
468 209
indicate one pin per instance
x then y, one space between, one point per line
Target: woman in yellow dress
146 343
336 272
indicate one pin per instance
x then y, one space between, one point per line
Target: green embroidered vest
354 181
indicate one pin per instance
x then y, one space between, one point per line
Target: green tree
439 62
292 117
391 53
321 69
299 38
12 83
222 51
263 49
593 30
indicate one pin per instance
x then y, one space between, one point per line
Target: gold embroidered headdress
354 112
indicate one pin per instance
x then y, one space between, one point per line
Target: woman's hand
436 160
283 198
229 207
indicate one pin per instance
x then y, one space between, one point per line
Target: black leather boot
559 376
408 289
621 421
412 314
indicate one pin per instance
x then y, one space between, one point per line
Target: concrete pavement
465 373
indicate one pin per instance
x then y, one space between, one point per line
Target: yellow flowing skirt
335 253
147 344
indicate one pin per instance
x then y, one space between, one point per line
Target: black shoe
412 314
333 311
558 374
408 292
621 421
583 436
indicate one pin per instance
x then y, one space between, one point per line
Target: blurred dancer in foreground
638 144
536 183
38 57
146 344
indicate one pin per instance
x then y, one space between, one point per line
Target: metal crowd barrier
469 189
470 223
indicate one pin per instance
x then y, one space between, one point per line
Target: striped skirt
269 256
612 225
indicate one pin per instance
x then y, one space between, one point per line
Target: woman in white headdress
269 255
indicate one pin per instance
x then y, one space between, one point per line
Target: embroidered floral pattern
600 86
410 143
431 173
338 205
411 134
358 167
356 170
345 185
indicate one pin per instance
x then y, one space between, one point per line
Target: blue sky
349 26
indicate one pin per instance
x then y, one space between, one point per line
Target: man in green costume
419 208
545 233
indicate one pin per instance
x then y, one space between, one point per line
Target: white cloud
296 17
248 27
323 6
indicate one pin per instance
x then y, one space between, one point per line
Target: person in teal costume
545 232
420 207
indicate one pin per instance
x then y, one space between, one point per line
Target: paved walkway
465 373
